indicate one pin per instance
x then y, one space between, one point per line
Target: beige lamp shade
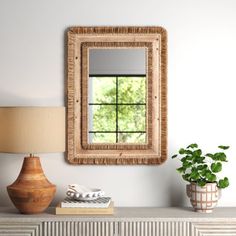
32 129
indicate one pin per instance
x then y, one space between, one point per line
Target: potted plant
201 170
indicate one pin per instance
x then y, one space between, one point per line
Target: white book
102 202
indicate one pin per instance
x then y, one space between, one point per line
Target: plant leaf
223 147
186 177
203 169
181 151
197 153
181 169
210 177
220 156
194 175
174 156
200 167
187 164
201 182
223 183
200 159
210 155
204 172
193 145
188 152
216 167
186 158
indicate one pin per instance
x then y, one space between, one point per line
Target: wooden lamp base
31 193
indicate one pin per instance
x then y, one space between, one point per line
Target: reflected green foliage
130 117
104 117
132 138
104 138
132 90
103 89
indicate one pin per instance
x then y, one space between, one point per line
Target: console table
127 221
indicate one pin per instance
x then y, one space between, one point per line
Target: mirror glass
117 91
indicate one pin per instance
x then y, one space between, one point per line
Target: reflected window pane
102 89
102 118
132 138
131 118
103 137
132 89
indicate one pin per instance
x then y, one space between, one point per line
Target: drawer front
157 228
154 228
20 229
213 228
75 228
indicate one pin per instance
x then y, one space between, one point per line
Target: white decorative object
102 202
80 192
203 199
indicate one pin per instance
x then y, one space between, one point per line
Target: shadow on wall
11 99
177 186
65 41
177 194
9 169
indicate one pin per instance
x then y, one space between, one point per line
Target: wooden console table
129 221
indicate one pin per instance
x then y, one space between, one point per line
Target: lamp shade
32 129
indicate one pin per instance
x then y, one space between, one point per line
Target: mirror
116 95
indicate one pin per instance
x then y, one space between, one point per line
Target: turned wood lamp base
31 193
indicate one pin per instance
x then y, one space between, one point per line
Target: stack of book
100 206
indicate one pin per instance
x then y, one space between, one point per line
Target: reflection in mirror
117 95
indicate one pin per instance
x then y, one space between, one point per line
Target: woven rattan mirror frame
79 40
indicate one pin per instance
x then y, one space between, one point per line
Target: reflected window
117 108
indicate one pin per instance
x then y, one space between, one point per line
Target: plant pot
203 199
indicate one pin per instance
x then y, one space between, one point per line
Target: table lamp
32 130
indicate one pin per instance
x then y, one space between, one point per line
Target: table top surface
124 213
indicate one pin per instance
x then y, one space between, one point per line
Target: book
102 202
84 211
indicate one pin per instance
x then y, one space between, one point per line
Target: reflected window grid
114 136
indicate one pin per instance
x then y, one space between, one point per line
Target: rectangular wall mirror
116 96
117 101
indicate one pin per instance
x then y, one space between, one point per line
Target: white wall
202 82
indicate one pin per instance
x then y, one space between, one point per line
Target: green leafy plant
202 169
